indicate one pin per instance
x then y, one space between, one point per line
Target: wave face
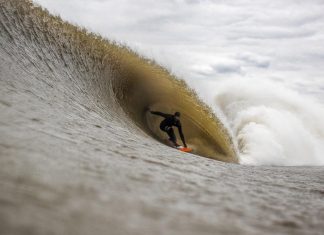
104 78
273 125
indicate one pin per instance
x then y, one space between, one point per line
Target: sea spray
272 124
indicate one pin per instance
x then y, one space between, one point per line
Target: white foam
272 125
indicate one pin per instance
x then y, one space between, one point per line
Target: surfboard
184 149
180 148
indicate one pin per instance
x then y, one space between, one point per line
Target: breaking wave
102 77
266 124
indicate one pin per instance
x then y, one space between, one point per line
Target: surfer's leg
172 136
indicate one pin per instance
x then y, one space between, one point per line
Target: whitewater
79 154
272 124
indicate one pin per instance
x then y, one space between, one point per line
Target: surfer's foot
175 144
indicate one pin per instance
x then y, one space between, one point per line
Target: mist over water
272 125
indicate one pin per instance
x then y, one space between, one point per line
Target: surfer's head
177 114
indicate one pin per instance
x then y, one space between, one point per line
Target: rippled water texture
79 154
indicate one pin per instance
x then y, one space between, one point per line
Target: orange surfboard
180 148
184 149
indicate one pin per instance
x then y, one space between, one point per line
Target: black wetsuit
166 126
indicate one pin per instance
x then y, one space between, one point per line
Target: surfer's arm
159 114
182 136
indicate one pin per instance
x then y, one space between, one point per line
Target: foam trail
273 125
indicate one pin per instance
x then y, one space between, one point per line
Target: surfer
166 126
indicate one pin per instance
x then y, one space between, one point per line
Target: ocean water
80 154
259 72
